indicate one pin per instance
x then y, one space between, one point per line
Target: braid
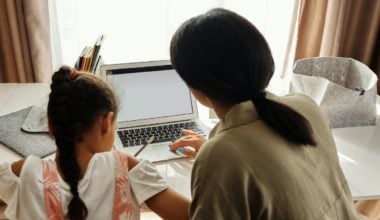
64 133
70 168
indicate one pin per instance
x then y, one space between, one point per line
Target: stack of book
89 58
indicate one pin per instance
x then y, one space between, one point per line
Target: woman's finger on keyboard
194 141
182 142
188 132
188 151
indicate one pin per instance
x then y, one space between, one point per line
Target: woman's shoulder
305 105
218 151
298 98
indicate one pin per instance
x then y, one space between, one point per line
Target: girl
87 180
269 157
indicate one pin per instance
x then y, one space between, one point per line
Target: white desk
358 147
359 155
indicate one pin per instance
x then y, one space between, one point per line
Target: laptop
152 101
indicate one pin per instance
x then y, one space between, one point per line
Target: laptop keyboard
164 133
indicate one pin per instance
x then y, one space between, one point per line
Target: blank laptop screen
149 92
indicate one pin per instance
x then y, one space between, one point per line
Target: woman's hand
191 143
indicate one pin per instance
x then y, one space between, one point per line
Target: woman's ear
201 97
107 122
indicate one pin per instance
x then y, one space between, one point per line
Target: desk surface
358 147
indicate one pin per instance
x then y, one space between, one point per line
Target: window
140 30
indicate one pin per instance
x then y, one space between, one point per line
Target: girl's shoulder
106 162
25 170
109 157
29 168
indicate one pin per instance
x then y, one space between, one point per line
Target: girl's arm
9 174
17 166
169 204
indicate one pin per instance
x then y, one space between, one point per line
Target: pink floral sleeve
51 192
122 207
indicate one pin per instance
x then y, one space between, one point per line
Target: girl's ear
107 122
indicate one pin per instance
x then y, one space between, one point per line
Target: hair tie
258 97
73 74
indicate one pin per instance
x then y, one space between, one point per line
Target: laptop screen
149 92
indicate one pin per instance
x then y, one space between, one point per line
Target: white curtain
140 30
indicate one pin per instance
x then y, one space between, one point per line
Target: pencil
150 140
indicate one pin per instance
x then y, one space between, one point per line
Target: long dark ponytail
75 102
224 56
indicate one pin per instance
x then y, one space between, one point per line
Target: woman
269 157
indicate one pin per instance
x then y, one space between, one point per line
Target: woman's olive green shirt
246 170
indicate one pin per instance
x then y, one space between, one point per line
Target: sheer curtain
141 30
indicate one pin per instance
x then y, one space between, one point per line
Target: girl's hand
190 144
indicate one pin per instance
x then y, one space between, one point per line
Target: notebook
152 101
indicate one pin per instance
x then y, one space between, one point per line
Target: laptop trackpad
158 152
